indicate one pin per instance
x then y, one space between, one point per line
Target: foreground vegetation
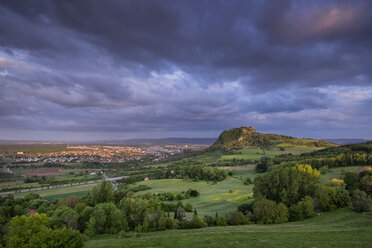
340 228
226 197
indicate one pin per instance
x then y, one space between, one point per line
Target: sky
117 69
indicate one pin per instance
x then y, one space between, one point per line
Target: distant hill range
247 136
176 141
346 141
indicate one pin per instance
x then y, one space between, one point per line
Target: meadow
337 173
339 228
221 197
59 193
255 153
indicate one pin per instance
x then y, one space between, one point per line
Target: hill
340 228
346 141
176 141
247 136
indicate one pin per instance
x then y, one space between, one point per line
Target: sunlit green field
51 194
340 228
254 153
337 173
221 197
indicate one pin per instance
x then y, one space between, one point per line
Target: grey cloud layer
187 66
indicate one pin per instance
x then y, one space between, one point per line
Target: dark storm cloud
126 66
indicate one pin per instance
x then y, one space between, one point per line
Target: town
99 153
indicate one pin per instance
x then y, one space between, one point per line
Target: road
6 170
113 180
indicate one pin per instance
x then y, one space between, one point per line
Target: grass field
253 153
51 194
337 173
221 197
338 229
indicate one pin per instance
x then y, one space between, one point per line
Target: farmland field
340 228
61 192
52 171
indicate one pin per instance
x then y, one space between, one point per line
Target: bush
248 181
325 198
268 212
192 192
221 221
302 210
179 214
287 184
245 208
188 207
209 220
351 180
361 201
236 218
329 197
197 222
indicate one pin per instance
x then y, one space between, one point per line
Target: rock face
247 136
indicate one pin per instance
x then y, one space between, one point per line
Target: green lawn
221 197
340 228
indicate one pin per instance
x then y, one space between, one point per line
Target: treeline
196 172
102 211
342 156
289 193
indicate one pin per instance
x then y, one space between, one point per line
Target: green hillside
247 136
340 228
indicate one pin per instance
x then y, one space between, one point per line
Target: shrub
329 197
361 201
325 198
302 210
236 218
287 184
188 207
221 221
268 212
197 222
179 214
248 181
209 220
245 208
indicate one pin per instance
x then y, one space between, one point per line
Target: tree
71 201
103 192
24 229
351 180
325 197
32 232
209 220
67 217
188 207
179 214
236 218
287 184
197 222
302 210
221 221
361 201
106 218
268 212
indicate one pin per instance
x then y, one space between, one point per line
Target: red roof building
33 212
